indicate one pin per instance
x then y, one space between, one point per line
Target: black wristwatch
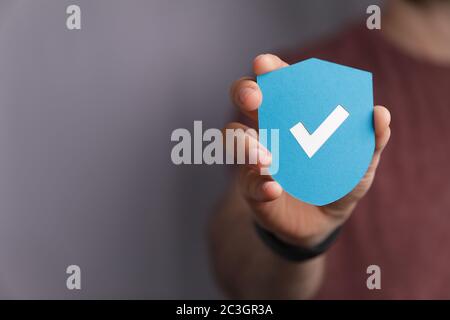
295 253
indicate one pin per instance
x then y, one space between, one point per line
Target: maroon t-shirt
403 223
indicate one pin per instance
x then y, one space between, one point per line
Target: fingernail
260 56
272 187
244 93
264 157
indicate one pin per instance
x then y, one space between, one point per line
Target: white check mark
311 143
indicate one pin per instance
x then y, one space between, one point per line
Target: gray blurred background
85 124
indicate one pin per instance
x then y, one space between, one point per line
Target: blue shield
324 114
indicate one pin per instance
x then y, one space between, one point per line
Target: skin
244 266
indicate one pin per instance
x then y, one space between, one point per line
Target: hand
292 220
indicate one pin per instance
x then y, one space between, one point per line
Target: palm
299 220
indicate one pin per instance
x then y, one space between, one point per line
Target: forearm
246 268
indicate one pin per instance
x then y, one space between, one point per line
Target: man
402 225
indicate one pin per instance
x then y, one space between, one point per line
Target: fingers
245 92
382 119
242 147
265 63
247 96
257 188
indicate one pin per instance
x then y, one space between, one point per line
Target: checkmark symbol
311 143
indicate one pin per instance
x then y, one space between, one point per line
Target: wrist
309 239
300 251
